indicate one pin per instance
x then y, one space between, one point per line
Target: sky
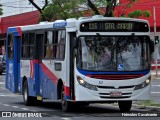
12 7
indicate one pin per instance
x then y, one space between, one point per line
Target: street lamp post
154 17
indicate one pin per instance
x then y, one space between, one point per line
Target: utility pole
156 50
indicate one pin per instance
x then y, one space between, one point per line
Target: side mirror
156 39
151 45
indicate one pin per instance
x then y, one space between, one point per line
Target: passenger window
28 45
60 42
10 46
48 45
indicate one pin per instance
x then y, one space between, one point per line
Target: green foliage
139 13
146 13
149 103
61 9
135 14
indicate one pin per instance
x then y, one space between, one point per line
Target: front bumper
84 94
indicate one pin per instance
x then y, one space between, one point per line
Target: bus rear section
38 70
13 59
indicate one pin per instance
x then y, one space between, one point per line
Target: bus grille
107 96
112 87
115 77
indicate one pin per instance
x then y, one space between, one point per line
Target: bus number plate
115 94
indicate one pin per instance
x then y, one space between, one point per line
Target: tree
110 6
62 9
139 13
1 10
36 6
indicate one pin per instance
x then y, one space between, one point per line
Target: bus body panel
28 73
52 75
49 80
41 79
10 81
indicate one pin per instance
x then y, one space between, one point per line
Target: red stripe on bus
19 31
32 69
67 90
49 74
36 61
53 77
74 98
115 77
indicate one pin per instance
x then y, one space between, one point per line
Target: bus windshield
118 53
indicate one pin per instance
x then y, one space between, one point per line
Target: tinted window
60 42
10 46
28 46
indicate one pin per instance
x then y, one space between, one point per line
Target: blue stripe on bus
85 72
59 25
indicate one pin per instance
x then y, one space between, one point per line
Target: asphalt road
13 104
155 90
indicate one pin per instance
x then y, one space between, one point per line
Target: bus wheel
28 100
65 104
125 106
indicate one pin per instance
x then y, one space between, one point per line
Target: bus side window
48 45
10 46
28 45
31 45
60 42
24 45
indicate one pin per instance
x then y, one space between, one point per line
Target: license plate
115 94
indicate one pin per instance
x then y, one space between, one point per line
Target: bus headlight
85 84
142 85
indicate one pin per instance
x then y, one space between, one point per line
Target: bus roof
63 23
100 17
41 25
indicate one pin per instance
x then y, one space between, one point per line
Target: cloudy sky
12 7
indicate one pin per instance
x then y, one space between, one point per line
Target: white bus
86 60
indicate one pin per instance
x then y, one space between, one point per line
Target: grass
149 103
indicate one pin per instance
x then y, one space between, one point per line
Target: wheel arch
59 87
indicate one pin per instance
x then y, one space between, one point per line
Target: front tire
125 106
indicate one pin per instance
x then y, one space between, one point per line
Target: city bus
81 61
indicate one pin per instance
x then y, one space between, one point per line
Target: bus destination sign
114 26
